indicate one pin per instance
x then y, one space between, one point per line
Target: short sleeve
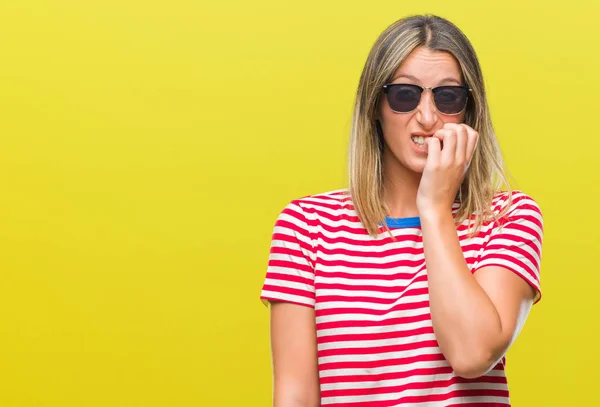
290 270
515 242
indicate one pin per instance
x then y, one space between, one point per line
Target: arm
294 350
475 317
289 288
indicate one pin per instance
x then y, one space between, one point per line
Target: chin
404 162
416 166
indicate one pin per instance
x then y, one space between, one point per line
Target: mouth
419 139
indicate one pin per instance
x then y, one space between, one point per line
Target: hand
446 167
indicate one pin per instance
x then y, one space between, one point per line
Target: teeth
420 140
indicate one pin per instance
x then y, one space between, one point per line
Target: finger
473 140
448 138
433 150
462 140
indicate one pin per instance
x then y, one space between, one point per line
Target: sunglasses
404 98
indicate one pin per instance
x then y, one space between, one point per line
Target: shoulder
331 201
316 209
510 205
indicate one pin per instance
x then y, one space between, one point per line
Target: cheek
394 125
454 119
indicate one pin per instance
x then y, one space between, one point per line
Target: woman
409 287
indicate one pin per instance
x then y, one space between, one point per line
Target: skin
476 317
402 167
294 354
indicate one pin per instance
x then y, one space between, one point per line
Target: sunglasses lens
403 98
450 99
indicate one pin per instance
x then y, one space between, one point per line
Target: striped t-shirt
376 345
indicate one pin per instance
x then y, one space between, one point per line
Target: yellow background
147 147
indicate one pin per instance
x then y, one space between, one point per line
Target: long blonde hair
485 175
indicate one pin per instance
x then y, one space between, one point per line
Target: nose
426 111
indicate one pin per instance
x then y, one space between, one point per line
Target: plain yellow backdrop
147 147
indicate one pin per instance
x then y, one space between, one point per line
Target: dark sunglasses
404 98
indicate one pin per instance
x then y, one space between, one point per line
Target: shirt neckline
411 222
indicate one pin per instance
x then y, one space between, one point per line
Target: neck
400 186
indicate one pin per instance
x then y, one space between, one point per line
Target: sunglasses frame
387 87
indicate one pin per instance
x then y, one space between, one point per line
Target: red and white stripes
376 345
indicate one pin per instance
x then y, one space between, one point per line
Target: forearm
466 323
294 348
293 395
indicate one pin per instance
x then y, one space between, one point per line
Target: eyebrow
414 78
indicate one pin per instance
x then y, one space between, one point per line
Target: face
402 131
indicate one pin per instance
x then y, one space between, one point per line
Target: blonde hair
485 175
